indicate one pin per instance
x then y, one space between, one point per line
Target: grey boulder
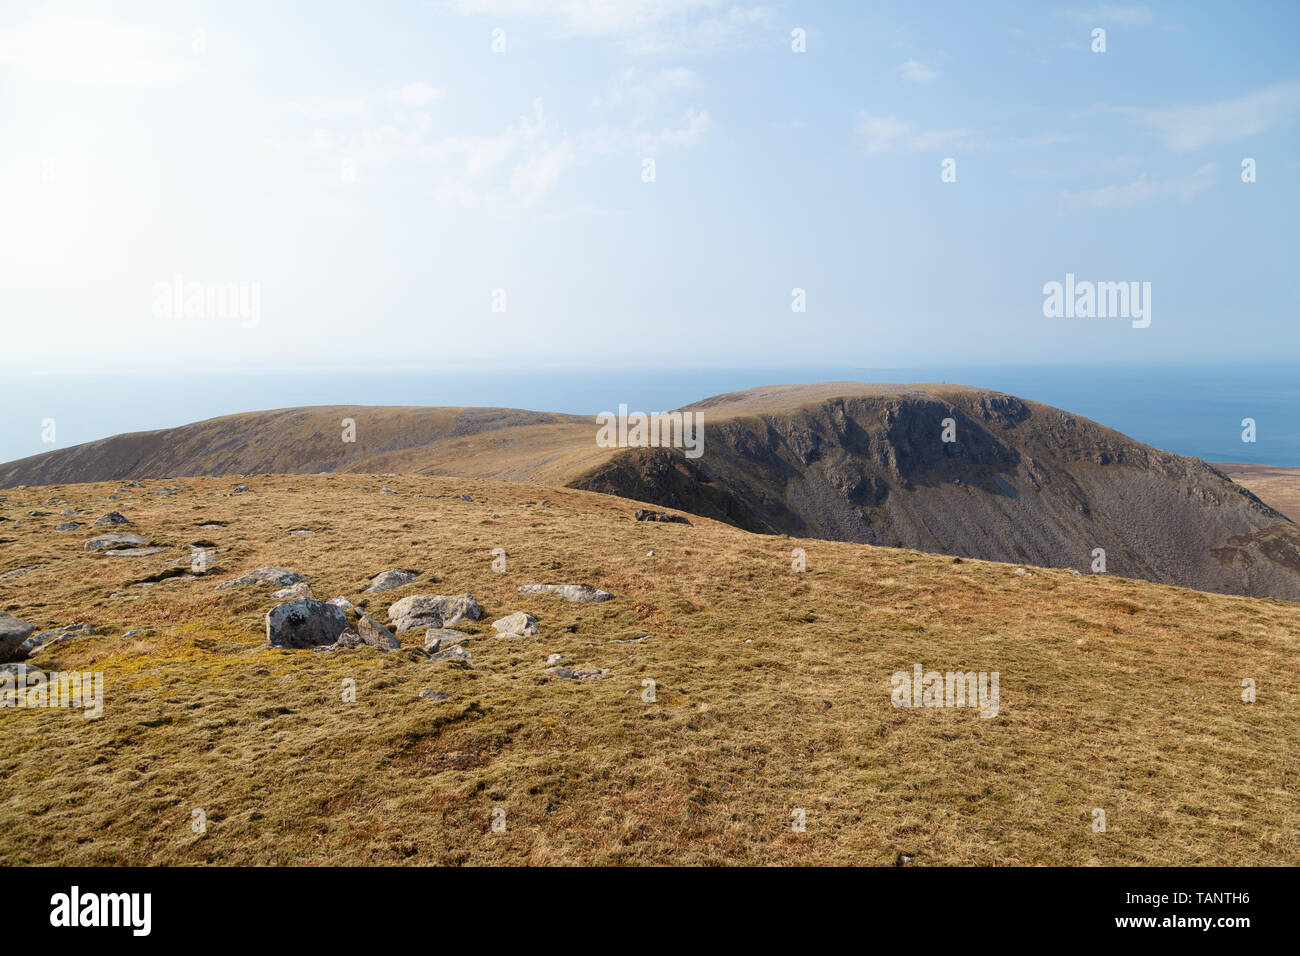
12 634
388 580
436 611
305 623
115 539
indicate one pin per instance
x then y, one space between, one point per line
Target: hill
1020 481
772 694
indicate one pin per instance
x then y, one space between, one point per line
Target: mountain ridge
1019 481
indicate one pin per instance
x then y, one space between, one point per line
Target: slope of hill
770 702
1020 481
1280 487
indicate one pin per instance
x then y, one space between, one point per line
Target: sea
1195 410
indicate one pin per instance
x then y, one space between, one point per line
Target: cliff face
1019 482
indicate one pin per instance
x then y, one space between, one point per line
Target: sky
465 184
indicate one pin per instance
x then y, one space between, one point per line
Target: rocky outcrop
115 539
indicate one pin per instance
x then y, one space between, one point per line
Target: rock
518 624
113 517
42 642
903 859
341 602
437 611
583 593
20 572
132 633
374 634
211 527
553 659
302 532
644 514
584 676
132 552
632 640
305 623
388 580
12 634
115 539
455 653
437 696
467 498
387 491
266 575
240 489
294 592
439 639
68 526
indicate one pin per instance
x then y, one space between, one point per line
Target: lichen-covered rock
583 593
388 580
12 634
518 624
305 623
266 575
436 611
115 539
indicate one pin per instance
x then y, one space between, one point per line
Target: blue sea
1191 410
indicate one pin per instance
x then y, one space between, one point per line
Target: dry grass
1115 693
1277 487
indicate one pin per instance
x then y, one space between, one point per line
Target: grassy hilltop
773 693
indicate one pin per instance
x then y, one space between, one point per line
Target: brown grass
1115 693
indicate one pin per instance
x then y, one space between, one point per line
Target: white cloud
917 72
646 90
81 52
888 134
1191 127
325 107
1142 190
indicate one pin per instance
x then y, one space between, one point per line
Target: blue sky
377 171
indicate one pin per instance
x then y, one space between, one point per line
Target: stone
436 611
553 659
13 632
68 526
388 580
583 593
20 572
518 624
454 653
578 675
645 514
113 517
437 696
342 602
632 640
467 498
305 623
387 491
115 539
132 552
294 592
240 489
439 639
264 575
375 634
